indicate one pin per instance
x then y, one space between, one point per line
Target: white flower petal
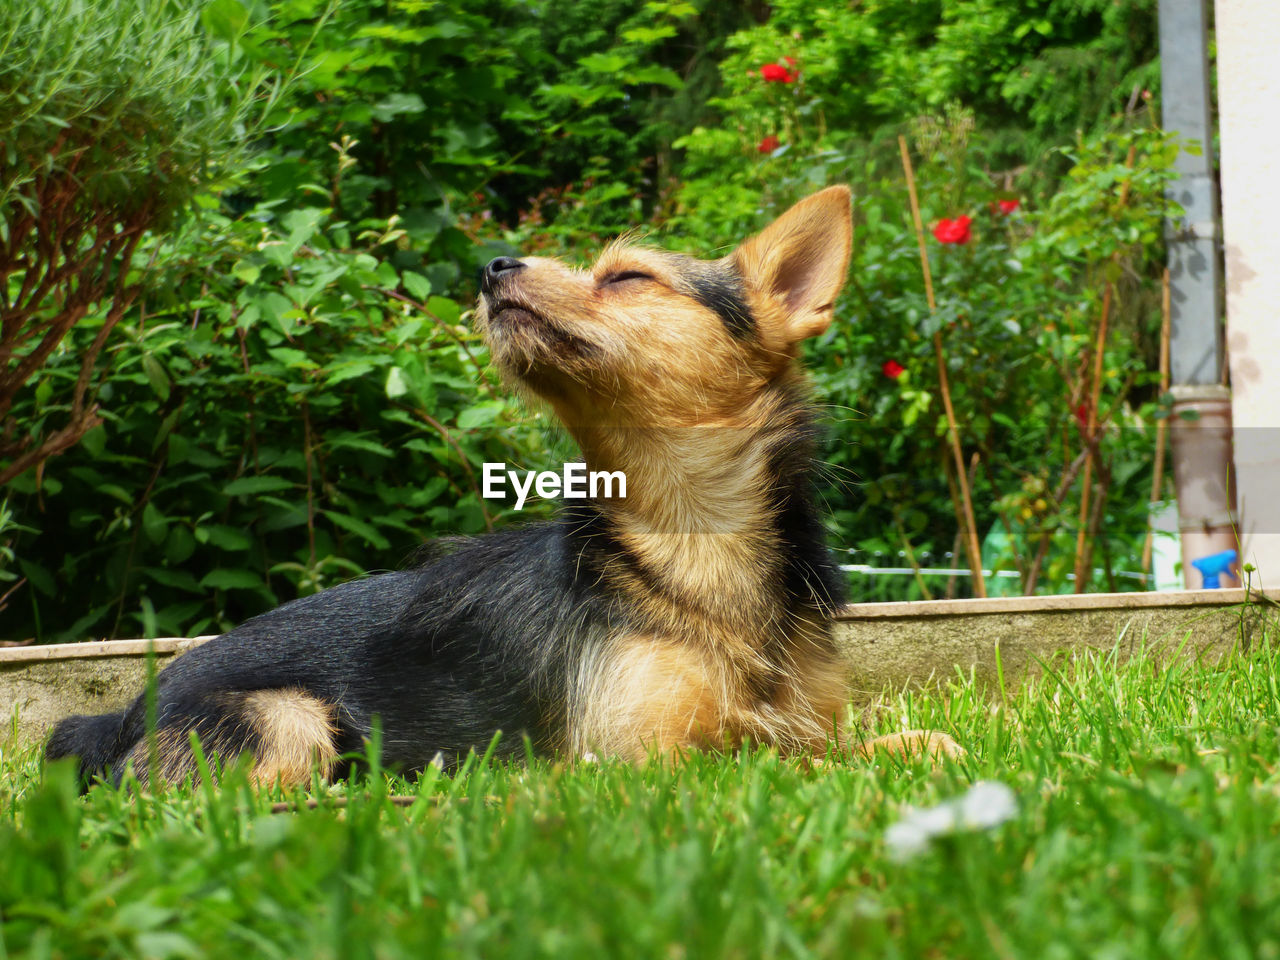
987 804
984 805
939 820
904 840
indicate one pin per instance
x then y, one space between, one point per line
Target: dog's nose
494 270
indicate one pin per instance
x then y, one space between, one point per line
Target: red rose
790 62
777 73
1007 206
953 231
893 369
769 144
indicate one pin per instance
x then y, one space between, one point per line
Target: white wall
1248 34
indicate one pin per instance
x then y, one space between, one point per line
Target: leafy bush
290 412
110 116
1019 307
273 374
1019 303
1034 71
455 109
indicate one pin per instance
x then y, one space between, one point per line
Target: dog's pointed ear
800 261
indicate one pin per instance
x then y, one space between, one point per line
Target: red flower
777 73
790 61
1007 206
769 144
893 369
1082 415
953 231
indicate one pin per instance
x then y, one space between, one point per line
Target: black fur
811 575
718 288
444 654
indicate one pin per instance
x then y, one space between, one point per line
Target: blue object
1214 566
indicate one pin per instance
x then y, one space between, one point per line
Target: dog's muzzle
496 271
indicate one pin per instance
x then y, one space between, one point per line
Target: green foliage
1017 306
622 81
399 112
1147 824
1034 71
110 119
279 390
469 108
287 411
127 101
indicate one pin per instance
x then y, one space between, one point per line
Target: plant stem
462 457
1090 432
953 434
1095 396
311 502
911 559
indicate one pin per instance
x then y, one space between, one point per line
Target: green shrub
1018 307
293 396
286 411
111 115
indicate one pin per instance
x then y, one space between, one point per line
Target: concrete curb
887 645
916 644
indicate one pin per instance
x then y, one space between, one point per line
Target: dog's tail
99 742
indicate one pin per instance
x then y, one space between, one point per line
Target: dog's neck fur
707 514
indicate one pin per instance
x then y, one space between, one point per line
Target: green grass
1148 826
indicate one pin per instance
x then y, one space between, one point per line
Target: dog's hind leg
95 740
287 732
295 731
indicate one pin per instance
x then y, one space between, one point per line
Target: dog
695 612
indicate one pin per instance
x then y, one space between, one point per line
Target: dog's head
649 337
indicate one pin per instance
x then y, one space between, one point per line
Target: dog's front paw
940 745
911 743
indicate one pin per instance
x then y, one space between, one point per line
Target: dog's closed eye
624 276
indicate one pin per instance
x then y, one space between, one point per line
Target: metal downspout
1201 426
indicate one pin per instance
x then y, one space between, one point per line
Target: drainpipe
1201 424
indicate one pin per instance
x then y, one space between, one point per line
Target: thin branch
444 432
1083 551
953 432
1090 430
421 307
307 452
911 559
53 445
4 597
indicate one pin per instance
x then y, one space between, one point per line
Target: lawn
1146 825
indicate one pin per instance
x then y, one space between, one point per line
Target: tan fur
648 694
650 381
929 743
798 265
297 732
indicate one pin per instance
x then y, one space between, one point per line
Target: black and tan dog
696 611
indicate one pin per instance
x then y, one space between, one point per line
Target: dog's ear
801 259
